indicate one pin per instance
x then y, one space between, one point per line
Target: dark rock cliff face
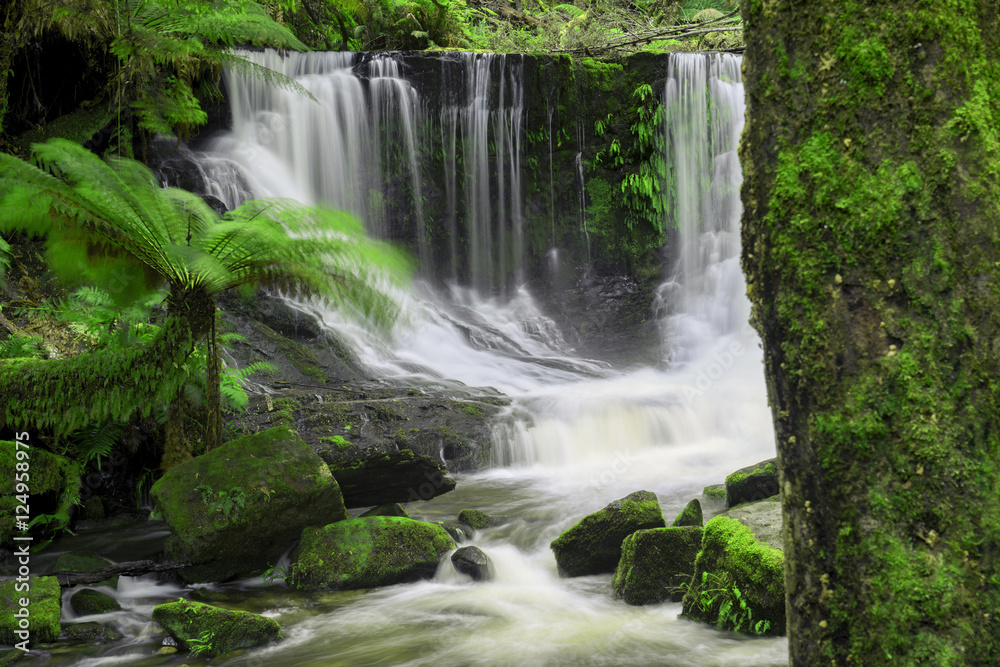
870 243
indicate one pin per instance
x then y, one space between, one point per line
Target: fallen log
398 477
132 568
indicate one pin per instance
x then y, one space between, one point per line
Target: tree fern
112 223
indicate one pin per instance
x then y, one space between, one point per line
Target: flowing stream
580 432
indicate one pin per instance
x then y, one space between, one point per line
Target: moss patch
44 610
731 558
594 545
368 552
275 486
690 516
55 490
213 631
657 564
86 602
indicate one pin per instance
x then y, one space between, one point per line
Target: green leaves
110 223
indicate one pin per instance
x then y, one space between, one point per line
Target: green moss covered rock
752 483
715 491
479 520
690 516
8 658
657 564
594 545
86 602
44 610
236 509
211 631
732 559
82 561
369 552
55 489
392 509
763 518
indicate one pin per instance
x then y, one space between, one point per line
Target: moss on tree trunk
871 242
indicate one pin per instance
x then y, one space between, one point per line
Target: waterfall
491 179
366 147
703 100
713 392
363 143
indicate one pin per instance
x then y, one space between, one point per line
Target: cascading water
579 433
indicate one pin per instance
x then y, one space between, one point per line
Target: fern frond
96 443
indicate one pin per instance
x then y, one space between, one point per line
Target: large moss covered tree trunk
872 252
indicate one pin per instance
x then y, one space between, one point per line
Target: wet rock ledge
338 411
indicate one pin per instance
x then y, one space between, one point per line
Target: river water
580 432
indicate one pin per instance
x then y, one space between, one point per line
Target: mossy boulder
392 509
690 516
479 520
237 509
55 489
715 491
732 559
763 518
43 611
8 658
657 564
214 631
87 601
752 483
82 561
594 545
368 552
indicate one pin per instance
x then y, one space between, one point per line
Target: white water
580 433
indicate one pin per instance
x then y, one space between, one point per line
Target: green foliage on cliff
110 223
525 26
169 53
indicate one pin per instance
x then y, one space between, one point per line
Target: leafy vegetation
167 55
734 611
109 222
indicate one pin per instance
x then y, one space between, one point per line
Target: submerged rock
392 509
369 552
86 602
594 545
82 561
739 582
752 483
473 562
212 631
91 632
238 508
690 515
478 520
43 610
657 564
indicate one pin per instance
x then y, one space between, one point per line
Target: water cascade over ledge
581 431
